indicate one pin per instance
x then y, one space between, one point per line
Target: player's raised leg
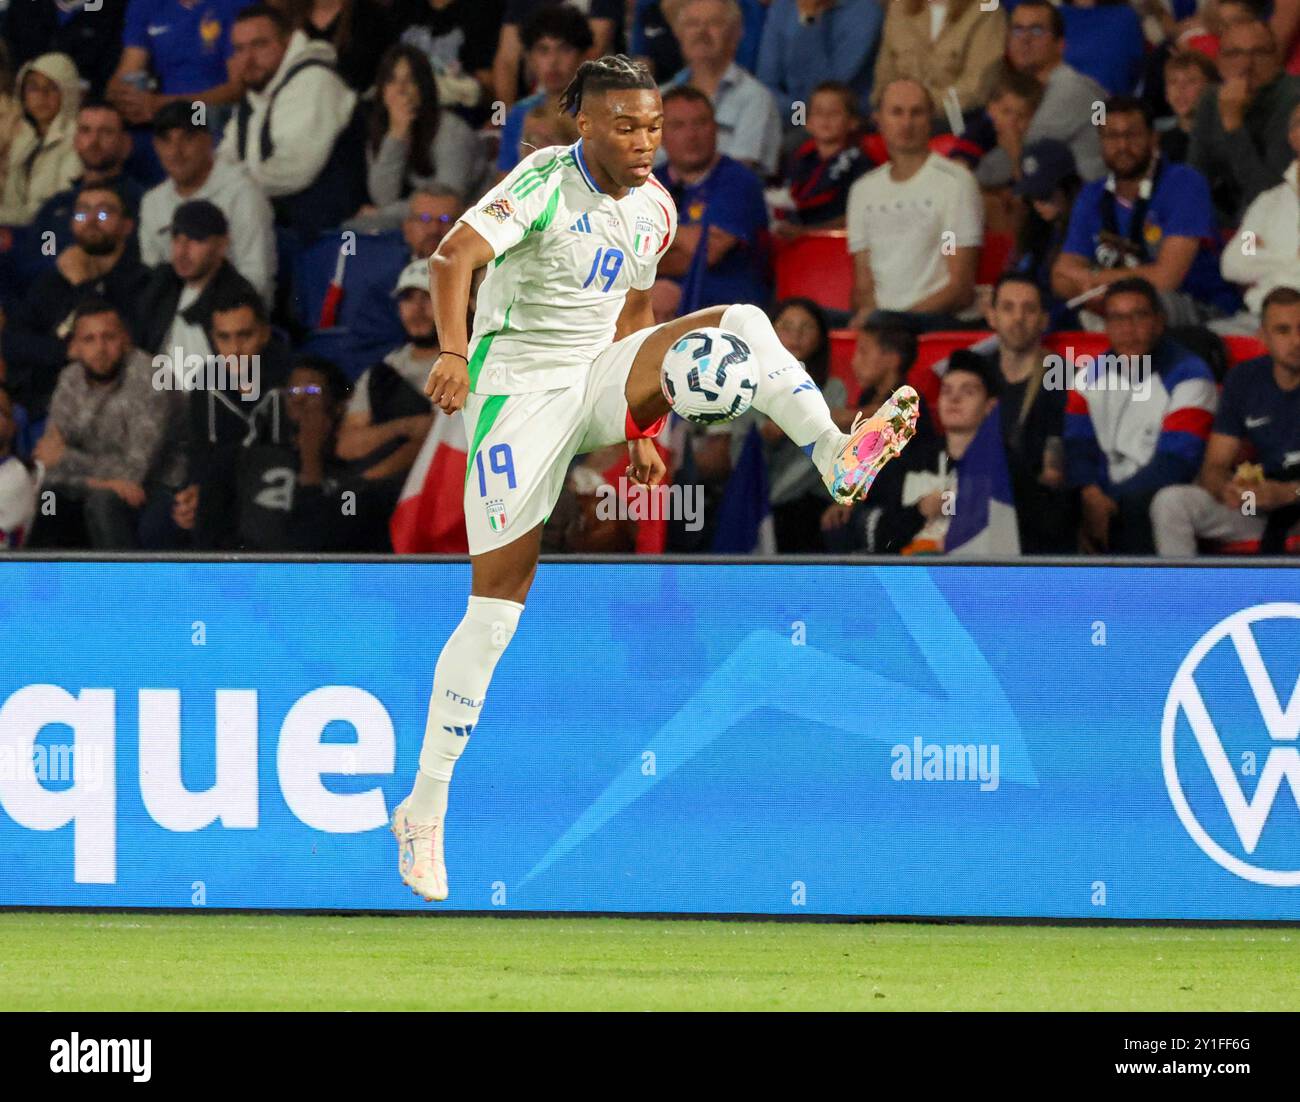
848 462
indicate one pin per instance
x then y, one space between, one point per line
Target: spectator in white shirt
915 223
1266 251
185 149
296 128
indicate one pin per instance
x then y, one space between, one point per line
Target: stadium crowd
1074 228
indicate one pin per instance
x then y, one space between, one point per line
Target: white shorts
521 445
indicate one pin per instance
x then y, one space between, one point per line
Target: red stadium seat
933 347
1247 547
1243 348
930 349
994 257
873 145
1083 343
843 342
818 266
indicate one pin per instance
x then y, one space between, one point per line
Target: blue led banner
1036 741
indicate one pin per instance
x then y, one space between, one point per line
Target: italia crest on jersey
643 237
496 514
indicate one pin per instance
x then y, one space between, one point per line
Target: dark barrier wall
1110 742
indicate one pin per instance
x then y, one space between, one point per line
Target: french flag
430 515
984 521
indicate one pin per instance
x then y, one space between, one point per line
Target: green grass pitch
115 961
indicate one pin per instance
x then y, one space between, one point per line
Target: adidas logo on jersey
582 225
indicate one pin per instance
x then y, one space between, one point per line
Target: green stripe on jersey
479 355
548 214
531 179
486 419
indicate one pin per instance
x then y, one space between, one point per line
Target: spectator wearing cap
103 145
104 437
175 317
389 415
748 123
1239 139
1260 410
806 42
1036 48
185 149
173 50
19 482
1265 253
822 169
948 48
98 263
915 224
1136 420
42 158
1047 185
1146 219
556 38
298 128
223 418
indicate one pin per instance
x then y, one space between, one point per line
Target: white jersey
566 256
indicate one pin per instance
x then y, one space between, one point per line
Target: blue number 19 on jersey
609 269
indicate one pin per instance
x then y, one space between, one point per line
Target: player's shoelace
422 832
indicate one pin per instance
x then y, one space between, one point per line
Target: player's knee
741 316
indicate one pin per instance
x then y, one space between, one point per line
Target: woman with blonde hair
42 161
943 44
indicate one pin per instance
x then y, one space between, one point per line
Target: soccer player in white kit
564 359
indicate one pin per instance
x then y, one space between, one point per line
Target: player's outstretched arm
451 271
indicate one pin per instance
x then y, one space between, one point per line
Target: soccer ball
709 376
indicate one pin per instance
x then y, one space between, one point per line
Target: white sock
460 683
786 392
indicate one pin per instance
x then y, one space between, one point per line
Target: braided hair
613 72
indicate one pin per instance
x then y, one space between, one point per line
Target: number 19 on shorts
500 461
